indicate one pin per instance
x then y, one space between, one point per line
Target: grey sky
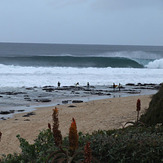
131 22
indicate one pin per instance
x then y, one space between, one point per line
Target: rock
48 88
26 119
29 114
146 84
71 88
88 90
3 118
65 102
5 112
130 84
71 106
45 100
77 101
30 88
12 93
133 92
27 98
12 111
42 100
20 110
26 95
99 93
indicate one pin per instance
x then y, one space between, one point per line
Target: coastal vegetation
154 114
140 142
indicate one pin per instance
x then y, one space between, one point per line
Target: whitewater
17 76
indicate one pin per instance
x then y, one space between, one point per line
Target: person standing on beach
59 84
77 84
88 85
119 86
114 86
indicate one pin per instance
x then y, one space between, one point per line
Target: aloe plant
137 122
138 108
72 152
64 154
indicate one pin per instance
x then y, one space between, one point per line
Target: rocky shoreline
25 99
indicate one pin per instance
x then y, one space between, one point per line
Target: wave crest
156 64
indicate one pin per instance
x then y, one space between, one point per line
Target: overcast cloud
131 22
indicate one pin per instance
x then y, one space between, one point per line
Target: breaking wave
71 61
156 64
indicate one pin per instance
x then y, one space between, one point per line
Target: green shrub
154 113
33 153
131 144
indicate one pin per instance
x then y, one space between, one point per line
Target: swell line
71 61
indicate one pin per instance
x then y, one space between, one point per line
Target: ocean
29 65
29 73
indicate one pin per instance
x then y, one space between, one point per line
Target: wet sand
90 116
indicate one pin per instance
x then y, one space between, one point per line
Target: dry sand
90 116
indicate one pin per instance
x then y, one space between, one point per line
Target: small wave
156 64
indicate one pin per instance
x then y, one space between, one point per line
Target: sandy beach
90 116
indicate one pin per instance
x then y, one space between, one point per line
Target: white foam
17 76
156 64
